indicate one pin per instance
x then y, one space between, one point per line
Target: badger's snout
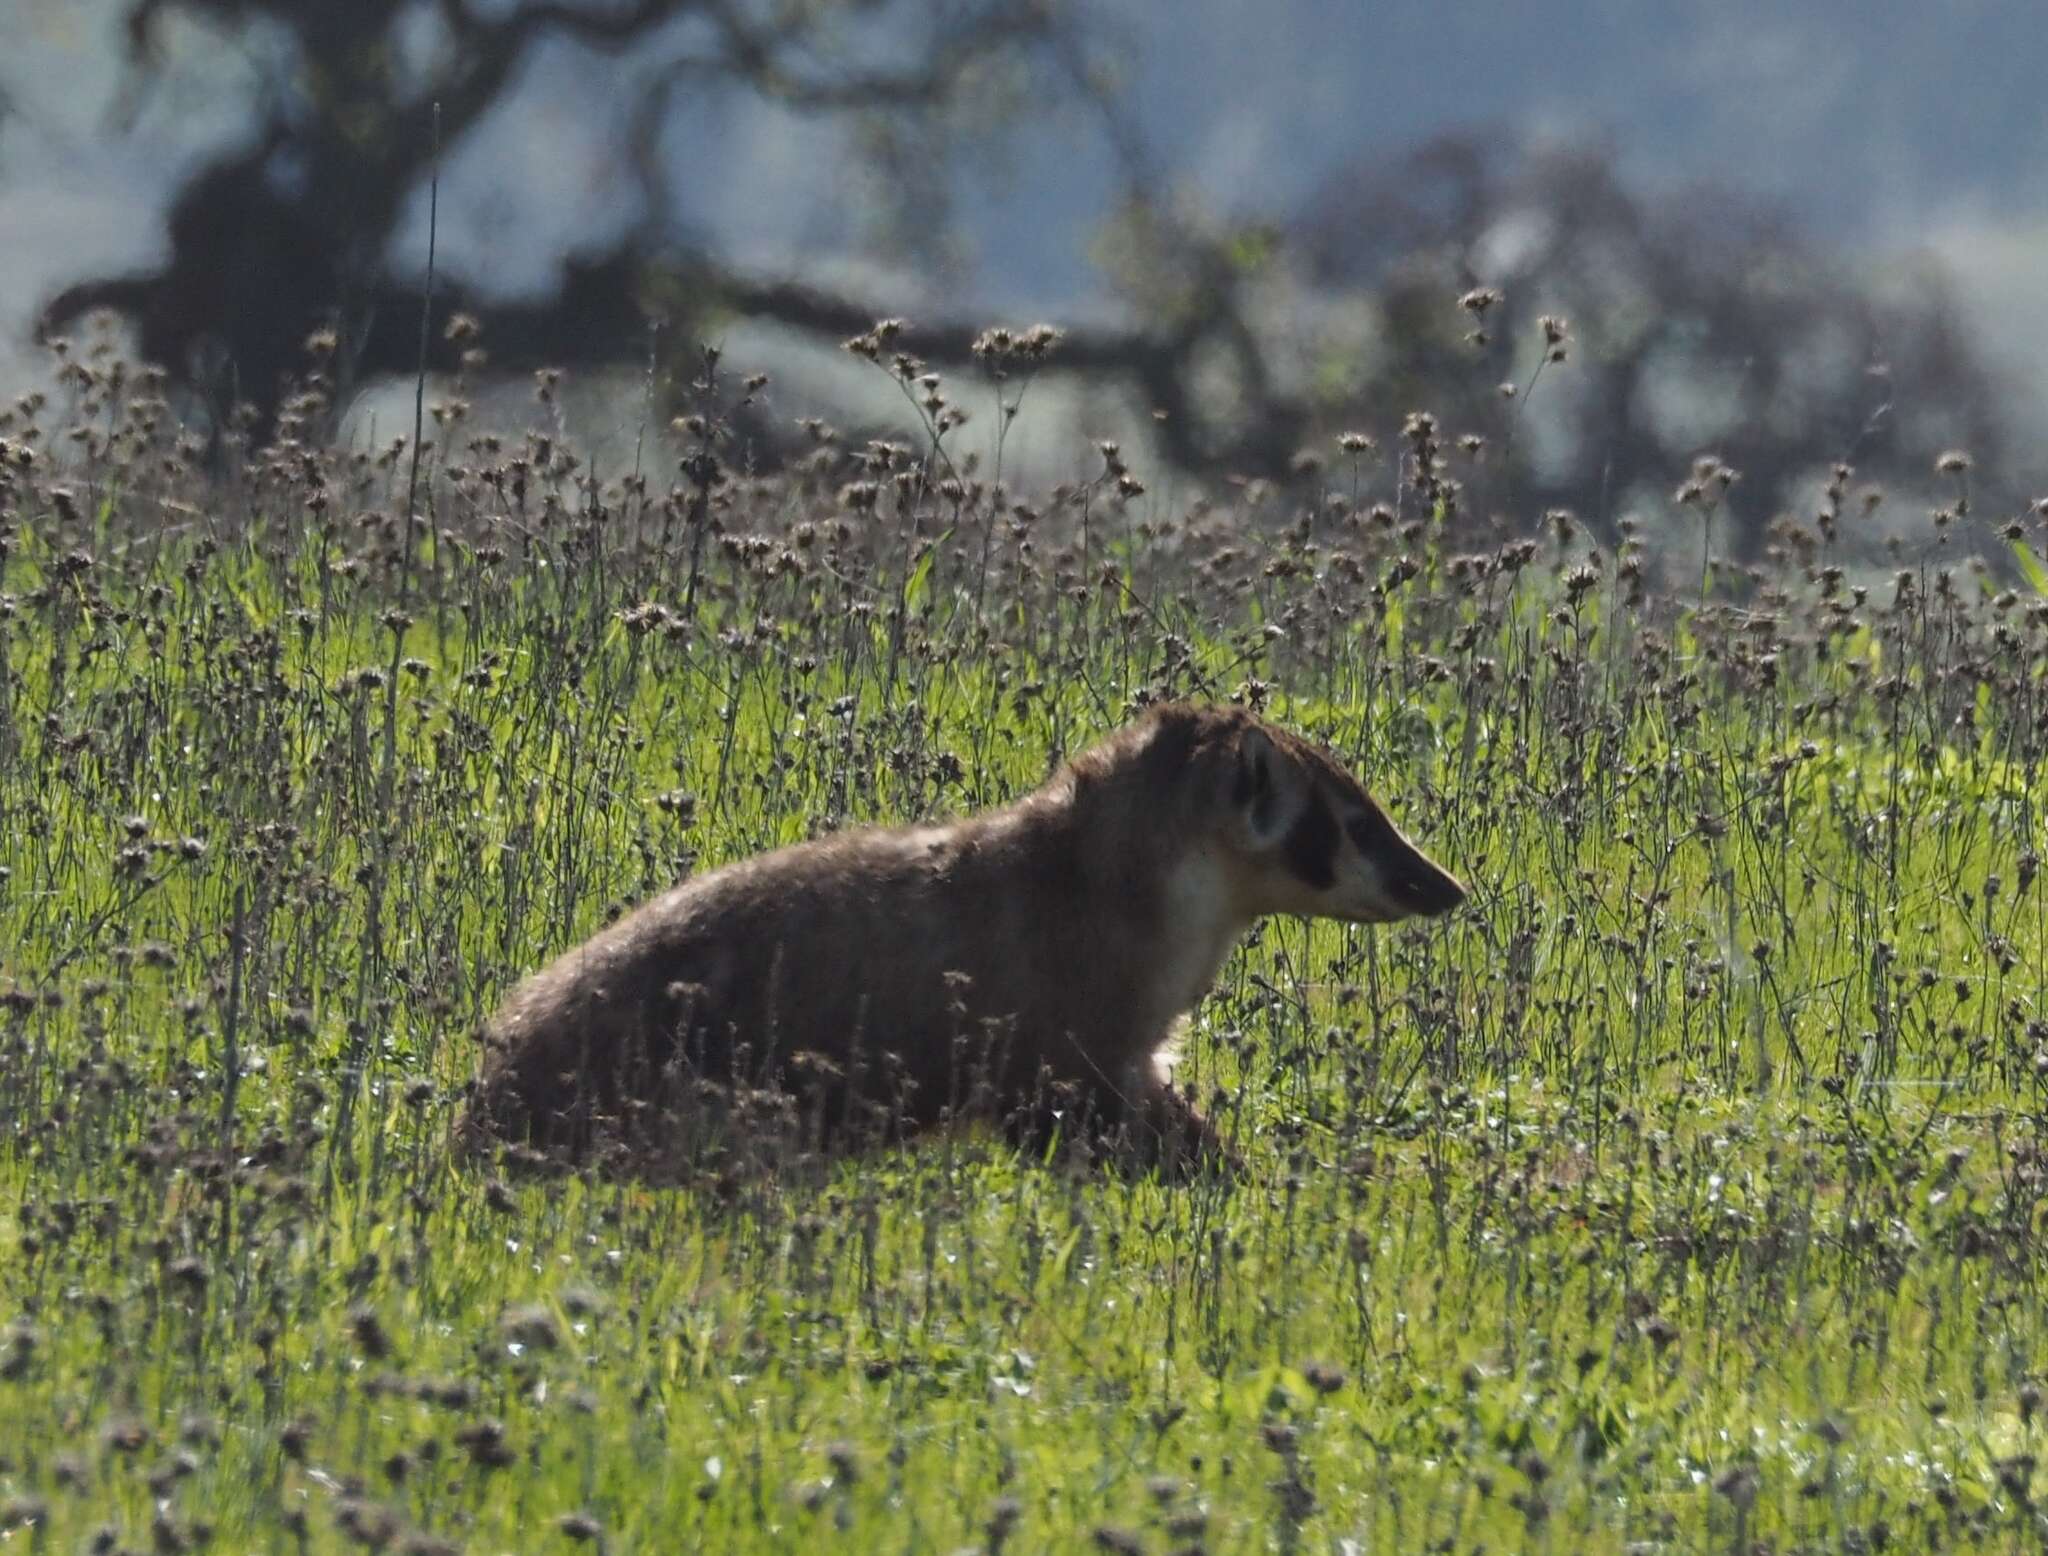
1428 890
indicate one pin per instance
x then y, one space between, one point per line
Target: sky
1883 127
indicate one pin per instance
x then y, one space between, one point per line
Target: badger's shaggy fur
1026 965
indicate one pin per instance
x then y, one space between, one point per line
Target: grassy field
1683 1192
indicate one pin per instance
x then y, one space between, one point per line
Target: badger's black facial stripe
1311 847
1367 831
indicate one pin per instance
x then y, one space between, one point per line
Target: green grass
1679 1193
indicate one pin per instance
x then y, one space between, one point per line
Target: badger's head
1301 835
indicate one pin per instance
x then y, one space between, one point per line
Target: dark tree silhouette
289 234
261 258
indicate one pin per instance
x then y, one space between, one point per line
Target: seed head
1003 1518
1323 1377
532 1326
370 1334
844 1461
1041 340
484 1442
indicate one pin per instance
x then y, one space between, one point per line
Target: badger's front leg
1161 1128
1141 1124
1166 1127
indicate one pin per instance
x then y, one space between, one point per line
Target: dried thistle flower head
1041 340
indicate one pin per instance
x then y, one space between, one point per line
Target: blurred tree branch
289 233
1248 343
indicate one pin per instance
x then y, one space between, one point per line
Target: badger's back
878 973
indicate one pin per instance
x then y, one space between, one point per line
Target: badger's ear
1269 791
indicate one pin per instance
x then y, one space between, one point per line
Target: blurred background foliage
1256 239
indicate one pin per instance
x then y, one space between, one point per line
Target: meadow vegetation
1681 1192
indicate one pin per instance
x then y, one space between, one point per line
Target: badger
1028 965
